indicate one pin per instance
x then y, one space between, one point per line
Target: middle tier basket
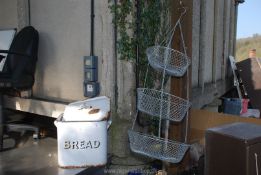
162 105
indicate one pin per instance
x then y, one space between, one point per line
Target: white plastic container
82 135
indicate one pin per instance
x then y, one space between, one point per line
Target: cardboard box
201 120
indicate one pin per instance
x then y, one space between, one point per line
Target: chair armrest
13 53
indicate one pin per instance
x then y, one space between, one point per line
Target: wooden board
227 20
206 41
195 42
218 40
181 86
201 120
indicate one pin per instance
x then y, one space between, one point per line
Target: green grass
244 45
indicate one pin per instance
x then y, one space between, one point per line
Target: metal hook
184 11
181 3
183 8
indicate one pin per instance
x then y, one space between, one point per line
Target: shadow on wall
43 66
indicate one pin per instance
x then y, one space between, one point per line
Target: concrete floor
23 155
32 157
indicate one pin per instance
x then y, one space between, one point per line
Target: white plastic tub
83 143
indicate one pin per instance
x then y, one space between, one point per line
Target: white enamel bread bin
82 133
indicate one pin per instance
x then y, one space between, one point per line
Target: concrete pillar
107 59
122 121
126 89
22 13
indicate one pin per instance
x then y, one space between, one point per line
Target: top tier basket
174 62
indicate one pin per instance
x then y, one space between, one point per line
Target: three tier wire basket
162 105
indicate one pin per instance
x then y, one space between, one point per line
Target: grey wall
64 30
64 27
8 14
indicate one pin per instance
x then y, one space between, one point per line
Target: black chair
18 71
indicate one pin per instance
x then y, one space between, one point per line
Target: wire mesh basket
161 104
155 147
174 62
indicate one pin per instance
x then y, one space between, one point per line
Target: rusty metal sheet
250 73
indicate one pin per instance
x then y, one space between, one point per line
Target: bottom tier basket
155 147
